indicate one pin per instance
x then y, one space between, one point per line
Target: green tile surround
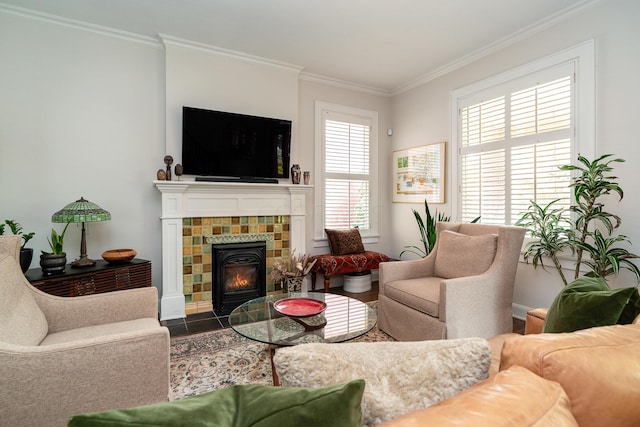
196 251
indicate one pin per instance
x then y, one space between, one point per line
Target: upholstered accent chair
64 356
463 288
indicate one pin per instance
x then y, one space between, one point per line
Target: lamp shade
81 211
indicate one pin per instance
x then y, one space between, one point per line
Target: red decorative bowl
299 306
119 256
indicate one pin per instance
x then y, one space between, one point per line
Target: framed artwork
419 174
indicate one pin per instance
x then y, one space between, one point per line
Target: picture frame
419 174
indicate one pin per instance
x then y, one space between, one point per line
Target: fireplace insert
239 274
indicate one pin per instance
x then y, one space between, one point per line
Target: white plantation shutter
346 171
512 144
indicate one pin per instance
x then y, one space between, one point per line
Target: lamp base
83 261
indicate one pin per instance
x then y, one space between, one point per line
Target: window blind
346 171
511 147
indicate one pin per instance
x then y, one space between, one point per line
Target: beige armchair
463 288
64 356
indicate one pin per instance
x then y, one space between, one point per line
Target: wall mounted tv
223 146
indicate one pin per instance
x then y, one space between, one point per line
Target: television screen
222 144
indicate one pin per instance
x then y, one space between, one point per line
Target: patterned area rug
216 359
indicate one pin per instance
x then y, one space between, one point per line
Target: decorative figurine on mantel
168 160
295 174
161 175
178 170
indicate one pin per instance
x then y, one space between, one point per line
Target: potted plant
26 254
292 271
553 231
55 261
427 228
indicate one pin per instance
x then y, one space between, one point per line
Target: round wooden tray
119 256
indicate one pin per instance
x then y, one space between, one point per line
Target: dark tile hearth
209 321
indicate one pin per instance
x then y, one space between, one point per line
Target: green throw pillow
245 405
588 302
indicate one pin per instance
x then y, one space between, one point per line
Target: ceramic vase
292 284
295 174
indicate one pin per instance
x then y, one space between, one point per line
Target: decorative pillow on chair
245 405
344 242
589 301
460 255
400 376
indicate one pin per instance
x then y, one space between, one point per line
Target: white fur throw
400 376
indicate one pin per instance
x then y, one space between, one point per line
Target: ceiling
382 45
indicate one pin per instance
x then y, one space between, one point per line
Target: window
513 132
345 157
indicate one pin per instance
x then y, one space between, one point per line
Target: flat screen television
223 146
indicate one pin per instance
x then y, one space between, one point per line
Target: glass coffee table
343 319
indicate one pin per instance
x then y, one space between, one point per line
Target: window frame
582 57
321 108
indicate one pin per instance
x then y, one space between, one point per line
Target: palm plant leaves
427 229
551 231
607 259
593 182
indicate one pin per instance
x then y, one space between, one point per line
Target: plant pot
26 255
53 263
292 284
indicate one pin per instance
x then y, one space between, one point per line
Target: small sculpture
178 170
161 175
295 174
168 160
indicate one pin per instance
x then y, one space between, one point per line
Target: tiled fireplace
196 215
200 236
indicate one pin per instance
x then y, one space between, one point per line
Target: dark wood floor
209 321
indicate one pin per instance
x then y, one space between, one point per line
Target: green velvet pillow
588 302
245 405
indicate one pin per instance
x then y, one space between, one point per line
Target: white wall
81 114
205 78
421 116
85 113
311 91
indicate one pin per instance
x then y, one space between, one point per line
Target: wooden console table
102 277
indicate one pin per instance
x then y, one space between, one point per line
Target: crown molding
343 84
168 40
497 45
78 25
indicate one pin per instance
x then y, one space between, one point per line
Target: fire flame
238 282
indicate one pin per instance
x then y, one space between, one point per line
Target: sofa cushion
400 376
422 294
21 320
245 405
515 397
589 301
344 242
597 368
459 255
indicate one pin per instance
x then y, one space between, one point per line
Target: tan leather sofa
63 356
586 378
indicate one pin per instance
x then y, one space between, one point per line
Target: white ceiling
379 44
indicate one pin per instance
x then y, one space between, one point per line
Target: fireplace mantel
189 199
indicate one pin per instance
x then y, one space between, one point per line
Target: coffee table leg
274 374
